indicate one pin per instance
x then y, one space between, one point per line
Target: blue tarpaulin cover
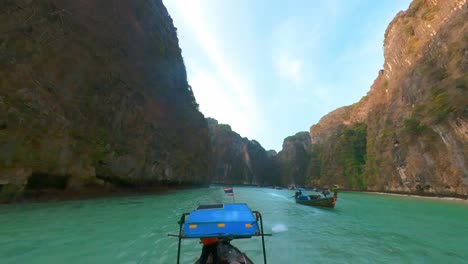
224 220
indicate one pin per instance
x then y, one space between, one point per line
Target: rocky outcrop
95 94
329 125
293 159
412 30
238 160
415 114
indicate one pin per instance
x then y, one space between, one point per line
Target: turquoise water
363 228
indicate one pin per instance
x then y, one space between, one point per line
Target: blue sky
272 68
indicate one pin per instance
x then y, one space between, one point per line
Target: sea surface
363 228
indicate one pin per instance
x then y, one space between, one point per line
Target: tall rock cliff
237 160
94 93
410 132
293 159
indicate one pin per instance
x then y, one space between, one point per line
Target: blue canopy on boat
221 220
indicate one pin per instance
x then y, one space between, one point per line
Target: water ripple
362 228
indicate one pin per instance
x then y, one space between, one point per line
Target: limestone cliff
95 94
238 160
293 159
413 123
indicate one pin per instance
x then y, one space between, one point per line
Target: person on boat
325 192
210 246
315 196
297 194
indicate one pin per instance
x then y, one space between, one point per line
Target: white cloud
289 67
293 40
216 101
303 62
222 92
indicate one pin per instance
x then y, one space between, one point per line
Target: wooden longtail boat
222 223
228 253
317 200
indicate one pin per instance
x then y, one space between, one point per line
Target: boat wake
279 196
278 228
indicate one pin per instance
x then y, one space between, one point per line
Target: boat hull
323 202
317 200
228 253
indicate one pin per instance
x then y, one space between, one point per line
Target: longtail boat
317 199
222 223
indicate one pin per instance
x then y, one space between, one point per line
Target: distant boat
223 223
278 188
317 199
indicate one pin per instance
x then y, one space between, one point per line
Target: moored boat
221 223
317 199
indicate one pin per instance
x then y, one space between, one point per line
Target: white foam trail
279 196
275 194
278 228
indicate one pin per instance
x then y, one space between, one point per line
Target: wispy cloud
270 70
288 50
216 102
223 84
289 66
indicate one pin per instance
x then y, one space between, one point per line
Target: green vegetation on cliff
340 159
409 134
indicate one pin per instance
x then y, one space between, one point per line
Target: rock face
237 160
410 132
95 93
293 159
